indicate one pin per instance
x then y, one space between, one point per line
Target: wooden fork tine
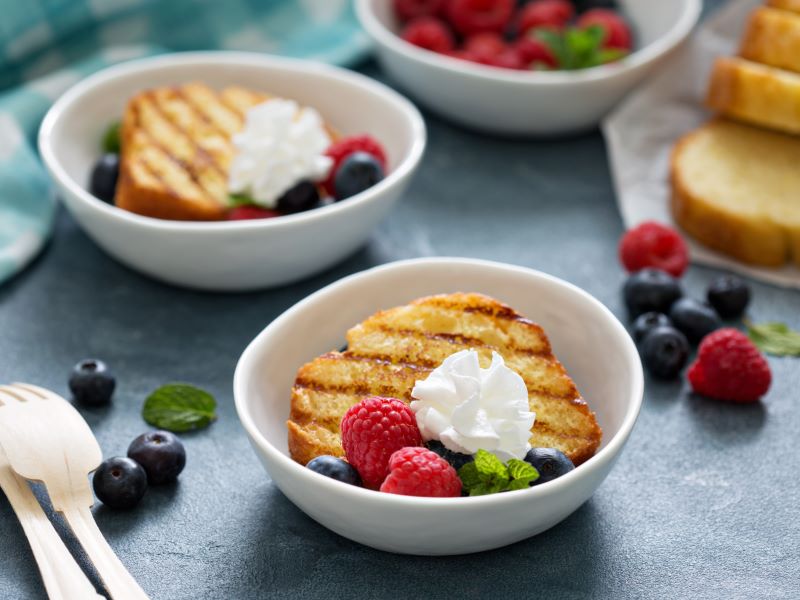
9 394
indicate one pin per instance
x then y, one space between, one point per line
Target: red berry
534 52
429 33
486 44
475 16
652 244
420 472
406 10
243 213
340 150
730 367
372 430
555 14
508 59
618 34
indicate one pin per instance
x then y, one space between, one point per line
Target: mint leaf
488 464
111 138
578 48
469 475
235 200
488 475
179 407
774 338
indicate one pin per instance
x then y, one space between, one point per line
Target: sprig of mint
579 48
179 407
235 200
774 338
488 475
111 138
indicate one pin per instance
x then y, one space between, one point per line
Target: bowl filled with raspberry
538 67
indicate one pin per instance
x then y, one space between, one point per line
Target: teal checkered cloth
48 45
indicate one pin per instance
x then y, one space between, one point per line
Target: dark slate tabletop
702 504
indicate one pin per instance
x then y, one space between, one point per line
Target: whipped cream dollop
281 144
468 408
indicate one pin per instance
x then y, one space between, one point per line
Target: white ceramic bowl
527 103
236 255
589 340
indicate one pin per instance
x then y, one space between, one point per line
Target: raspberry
534 53
475 16
340 150
618 34
486 44
429 33
655 245
421 472
372 430
508 59
555 14
406 10
244 213
729 367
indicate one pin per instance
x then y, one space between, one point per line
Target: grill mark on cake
201 114
357 389
424 366
542 427
495 309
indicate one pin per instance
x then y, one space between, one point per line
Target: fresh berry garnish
550 462
104 176
617 31
119 482
301 197
652 244
645 323
508 59
694 319
553 14
534 53
161 455
730 367
475 16
420 472
406 10
249 211
335 468
456 459
372 430
91 382
664 351
340 150
429 33
359 172
650 290
487 44
729 295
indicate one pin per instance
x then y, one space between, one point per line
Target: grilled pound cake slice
394 348
177 148
791 5
773 38
735 189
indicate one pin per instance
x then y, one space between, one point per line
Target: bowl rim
606 454
76 93
674 36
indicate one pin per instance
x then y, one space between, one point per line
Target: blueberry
584 5
729 295
645 323
91 382
120 482
550 463
694 319
456 459
103 180
335 468
161 455
358 172
650 290
302 196
665 352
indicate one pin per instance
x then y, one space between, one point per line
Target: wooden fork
47 440
63 578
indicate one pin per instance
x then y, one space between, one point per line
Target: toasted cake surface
735 189
756 93
773 38
792 5
394 348
176 150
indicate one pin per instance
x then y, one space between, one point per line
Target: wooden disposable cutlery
45 439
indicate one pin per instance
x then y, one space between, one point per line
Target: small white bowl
593 345
527 103
235 255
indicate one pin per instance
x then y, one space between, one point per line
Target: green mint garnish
179 407
488 475
579 48
111 138
235 200
775 338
